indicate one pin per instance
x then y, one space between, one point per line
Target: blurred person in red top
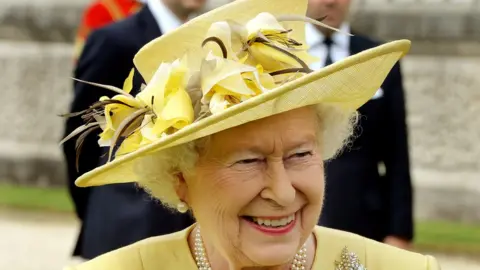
100 13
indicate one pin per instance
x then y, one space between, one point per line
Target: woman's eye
249 161
301 155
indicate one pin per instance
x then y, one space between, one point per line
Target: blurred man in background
359 197
117 215
100 13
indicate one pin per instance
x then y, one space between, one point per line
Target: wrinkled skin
269 167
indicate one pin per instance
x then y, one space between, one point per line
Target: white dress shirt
166 20
339 50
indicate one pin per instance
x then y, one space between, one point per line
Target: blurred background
442 82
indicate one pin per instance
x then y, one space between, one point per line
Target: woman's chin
272 256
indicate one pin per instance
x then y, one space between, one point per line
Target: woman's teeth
274 222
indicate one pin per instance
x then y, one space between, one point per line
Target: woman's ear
181 188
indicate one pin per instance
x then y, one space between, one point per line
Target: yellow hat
241 62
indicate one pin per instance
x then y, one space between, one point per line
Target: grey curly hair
158 173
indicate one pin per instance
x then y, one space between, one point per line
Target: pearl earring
182 207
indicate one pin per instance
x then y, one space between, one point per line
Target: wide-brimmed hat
241 62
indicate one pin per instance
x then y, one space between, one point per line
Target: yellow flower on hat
168 99
116 111
270 44
262 43
263 81
225 82
161 108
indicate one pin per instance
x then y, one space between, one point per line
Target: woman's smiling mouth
272 225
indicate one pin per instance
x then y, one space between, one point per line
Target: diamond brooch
348 261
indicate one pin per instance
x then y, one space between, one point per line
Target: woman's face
258 188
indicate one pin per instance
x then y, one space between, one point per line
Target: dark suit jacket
359 199
114 215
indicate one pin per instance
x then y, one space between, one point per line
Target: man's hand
398 242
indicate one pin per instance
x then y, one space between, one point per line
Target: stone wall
440 77
47 20
443 105
422 20
35 89
443 108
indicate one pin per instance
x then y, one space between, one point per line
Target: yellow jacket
171 252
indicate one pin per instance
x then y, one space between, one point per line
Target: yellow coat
171 252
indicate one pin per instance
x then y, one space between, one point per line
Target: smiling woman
331 130
235 129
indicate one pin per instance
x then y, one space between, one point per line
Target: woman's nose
278 186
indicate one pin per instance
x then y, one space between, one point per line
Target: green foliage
448 237
50 199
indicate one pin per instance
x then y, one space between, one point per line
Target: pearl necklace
298 263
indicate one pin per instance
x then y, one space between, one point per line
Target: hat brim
347 84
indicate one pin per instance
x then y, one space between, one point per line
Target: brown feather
108 87
219 43
124 125
96 105
79 145
138 128
133 126
290 70
78 130
299 18
303 64
287 43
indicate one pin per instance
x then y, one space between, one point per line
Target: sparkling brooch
348 261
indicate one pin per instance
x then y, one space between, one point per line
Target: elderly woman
234 127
